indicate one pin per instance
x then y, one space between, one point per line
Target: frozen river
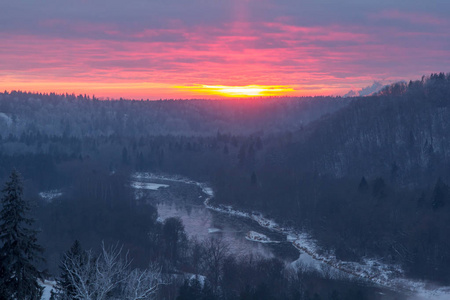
186 201
251 233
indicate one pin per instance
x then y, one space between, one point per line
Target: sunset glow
227 49
240 91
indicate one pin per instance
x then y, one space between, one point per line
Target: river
175 198
251 233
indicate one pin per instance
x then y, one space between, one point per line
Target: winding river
252 233
179 197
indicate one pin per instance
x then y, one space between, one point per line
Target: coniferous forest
366 177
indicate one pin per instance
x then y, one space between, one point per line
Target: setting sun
239 91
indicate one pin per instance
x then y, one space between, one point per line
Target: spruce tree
19 249
363 185
76 256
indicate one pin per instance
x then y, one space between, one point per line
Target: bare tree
80 273
108 276
216 251
142 284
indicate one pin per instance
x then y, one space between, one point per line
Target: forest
365 176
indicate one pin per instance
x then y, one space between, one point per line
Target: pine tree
19 248
363 185
75 256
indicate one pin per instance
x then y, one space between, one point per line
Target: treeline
83 116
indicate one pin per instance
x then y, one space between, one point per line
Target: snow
306 262
214 230
201 279
6 118
382 274
49 196
291 237
435 294
48 287
258 237
370 269
149 176
148 185
208 191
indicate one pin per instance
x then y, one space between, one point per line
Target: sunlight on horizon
240 91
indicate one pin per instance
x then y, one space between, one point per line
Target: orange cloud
239 58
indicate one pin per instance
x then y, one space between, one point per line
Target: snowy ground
49 196
214 230
139 186
48 286
258 237
148 185
370 269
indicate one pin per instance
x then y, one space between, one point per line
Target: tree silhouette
67 282
363 185
19 250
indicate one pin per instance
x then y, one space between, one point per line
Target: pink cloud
317 59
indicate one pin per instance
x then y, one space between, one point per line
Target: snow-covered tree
19 249
106 276
142 284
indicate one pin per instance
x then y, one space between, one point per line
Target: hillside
401 134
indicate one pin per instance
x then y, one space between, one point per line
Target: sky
160 49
